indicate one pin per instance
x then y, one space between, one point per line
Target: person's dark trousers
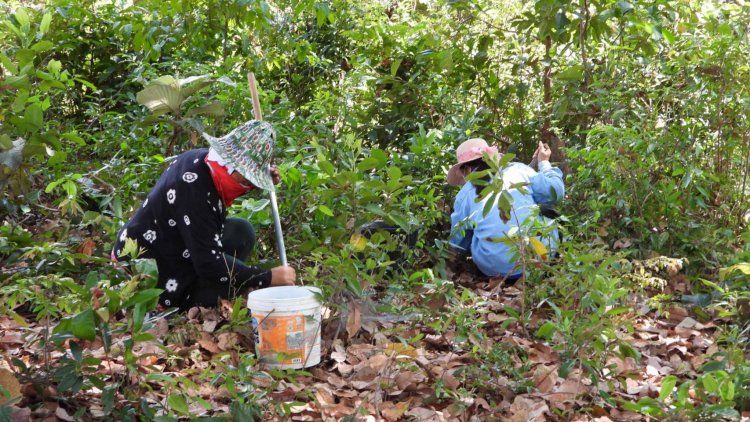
463 250
238 241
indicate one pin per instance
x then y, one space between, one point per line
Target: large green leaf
212 109
33 117
46 21
187 91
573 73
166 80
742 267
22 17
160 98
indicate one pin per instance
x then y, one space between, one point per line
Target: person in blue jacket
492 240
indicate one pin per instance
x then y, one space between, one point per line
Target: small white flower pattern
219 204
123 235
145 203
171 196
150 236
189 177
217 239
224 279
167 302
196 160
172 223
186 254
187 220
171 285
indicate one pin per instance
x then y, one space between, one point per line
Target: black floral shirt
180 225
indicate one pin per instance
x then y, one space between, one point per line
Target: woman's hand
283 276
543 152
275 175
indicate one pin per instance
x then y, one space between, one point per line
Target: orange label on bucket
282 335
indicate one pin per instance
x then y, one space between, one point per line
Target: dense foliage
645 104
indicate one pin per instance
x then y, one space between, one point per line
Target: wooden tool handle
254 94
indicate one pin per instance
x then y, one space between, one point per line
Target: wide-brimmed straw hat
468 151
248 149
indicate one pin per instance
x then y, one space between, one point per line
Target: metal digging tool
272 192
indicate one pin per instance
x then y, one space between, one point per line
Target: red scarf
229 189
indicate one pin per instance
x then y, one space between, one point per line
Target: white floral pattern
123 235
171 196
217 239
186 253
189 177
171 285
150 236
196 160
167 302
219 204
172 223
145 203
187 220
224 279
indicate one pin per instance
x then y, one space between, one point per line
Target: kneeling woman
183 222
490 239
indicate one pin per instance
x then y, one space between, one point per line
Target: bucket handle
267 315
309 351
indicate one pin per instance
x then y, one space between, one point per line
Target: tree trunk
545 134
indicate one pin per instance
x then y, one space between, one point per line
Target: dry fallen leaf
87 247
338 356
209 326
208 344
449 380
528 409
400 349
393 412
324 396
570 389
545 378
423 414
63 415
22 414
228 341
9 382
354 320
622 243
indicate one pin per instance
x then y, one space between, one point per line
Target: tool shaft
277 226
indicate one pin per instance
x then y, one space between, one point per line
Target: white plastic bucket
286 322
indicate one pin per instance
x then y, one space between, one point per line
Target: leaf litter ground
367 370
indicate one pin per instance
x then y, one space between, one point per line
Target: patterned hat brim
259 174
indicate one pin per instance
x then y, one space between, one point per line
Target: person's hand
543 152
283 276
275 175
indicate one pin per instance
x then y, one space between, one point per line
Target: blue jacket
490 240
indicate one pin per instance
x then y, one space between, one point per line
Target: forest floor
372 372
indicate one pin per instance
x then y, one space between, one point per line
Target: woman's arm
547 185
